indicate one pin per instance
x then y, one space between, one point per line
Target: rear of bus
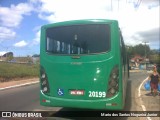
81 65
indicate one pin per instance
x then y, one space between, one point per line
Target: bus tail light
113 86
44 81
46 101
111 104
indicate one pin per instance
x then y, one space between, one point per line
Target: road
27 98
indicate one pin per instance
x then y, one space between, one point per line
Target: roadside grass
10 71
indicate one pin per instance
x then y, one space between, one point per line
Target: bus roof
78 22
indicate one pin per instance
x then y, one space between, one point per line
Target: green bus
83 64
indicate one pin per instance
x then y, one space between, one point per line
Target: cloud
6 33
141 25
151 35
135 19
10 19
136 23
61 10
13 15
20 44
36 40
2 53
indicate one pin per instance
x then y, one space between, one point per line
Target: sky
21 20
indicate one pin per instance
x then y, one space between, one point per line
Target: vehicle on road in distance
149 67
83 65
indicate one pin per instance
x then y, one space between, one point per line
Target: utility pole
145 54
111 6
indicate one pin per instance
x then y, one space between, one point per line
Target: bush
9 71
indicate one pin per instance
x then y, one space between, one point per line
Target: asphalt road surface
27 98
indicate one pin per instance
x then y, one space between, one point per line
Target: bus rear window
78 39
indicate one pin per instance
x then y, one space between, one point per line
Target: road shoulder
146 102
18 83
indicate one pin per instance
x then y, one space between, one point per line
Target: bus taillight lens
44 81
113 82
43 75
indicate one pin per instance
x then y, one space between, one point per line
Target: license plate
76 92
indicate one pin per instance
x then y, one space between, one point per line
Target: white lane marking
139 95
19 85
143 107
139 89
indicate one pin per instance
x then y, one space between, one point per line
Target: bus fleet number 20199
97 94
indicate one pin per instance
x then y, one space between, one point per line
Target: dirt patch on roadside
8 79
17 82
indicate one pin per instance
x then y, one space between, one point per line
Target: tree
142 50
9 57
155 59
139 49
155 56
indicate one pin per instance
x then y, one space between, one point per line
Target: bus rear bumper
110 104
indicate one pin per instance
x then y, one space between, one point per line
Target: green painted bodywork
65 72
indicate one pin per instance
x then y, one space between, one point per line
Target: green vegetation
9 71
139 49
144 50
155 58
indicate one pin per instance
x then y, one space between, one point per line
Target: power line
138 3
